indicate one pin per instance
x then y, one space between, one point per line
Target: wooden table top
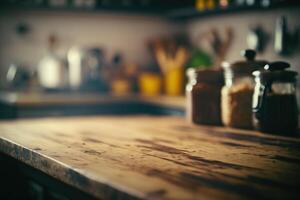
150 157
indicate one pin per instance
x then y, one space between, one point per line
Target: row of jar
246 94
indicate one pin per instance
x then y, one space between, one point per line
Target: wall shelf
191 12
171 9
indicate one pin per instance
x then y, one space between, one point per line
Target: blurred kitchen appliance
85 65
51 68
17 77
94 62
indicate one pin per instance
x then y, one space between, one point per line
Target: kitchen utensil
281 36
170 52
217 45
286 42
257 39
171 55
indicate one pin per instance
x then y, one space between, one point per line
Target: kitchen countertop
156 157
39 99
33 105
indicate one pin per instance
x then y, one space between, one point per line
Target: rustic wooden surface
143 157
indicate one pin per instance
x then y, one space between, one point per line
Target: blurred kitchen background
136 46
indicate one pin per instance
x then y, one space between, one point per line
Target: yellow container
120 87
150 84
200 5
174 81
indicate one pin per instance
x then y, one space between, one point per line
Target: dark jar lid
245 67
276 71
212 76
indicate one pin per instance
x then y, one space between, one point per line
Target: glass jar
203 93
275 108
236 102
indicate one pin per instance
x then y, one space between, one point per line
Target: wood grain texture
144 157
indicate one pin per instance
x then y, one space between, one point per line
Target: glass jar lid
211 76
276 71
245 67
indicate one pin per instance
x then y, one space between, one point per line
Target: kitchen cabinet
20 181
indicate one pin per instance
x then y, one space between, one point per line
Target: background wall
240 23
126 33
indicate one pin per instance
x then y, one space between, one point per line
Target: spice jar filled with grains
203 93
236 95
